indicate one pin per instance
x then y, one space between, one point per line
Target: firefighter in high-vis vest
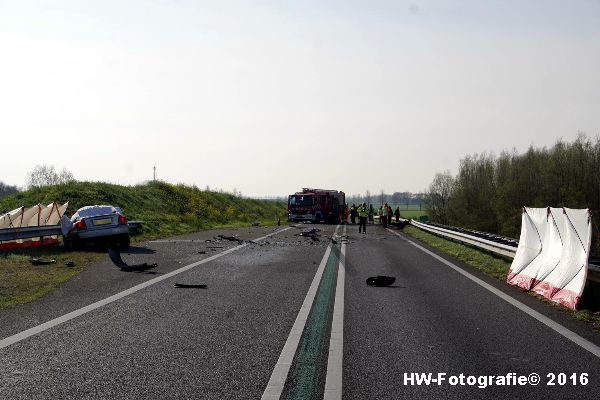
363 214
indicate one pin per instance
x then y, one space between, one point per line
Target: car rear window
93 211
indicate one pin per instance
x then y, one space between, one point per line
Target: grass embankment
165 209
498 268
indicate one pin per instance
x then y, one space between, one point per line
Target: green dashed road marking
304 377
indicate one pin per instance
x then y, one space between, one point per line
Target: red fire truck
316 205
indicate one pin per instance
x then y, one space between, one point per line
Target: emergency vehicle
317 205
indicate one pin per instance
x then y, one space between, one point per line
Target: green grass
491 265
412 214
166 210
21 282
408 207
498 268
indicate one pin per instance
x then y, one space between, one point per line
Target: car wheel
67 243
124 241
74 243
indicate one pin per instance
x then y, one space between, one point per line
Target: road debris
115 257
189 286
230 238
202 252
41 261
381 280
402 224
312 234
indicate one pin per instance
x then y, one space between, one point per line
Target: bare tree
65 176
44 175
437 198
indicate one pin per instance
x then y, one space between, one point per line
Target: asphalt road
224 341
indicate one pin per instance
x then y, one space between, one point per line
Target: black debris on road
41 261
189 286
115 257
381 280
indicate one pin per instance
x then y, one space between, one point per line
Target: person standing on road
371 213
383 215
363 214
397 214
390 214
353 213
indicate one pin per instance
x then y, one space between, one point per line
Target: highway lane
225 341
103 279
162 342
437 321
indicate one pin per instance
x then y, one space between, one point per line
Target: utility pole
154 176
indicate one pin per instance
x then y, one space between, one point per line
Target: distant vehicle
316 205
98 224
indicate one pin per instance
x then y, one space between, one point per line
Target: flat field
409 211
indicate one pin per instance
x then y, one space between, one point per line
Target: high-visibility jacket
363 211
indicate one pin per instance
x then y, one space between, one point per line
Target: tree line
400 198
489 191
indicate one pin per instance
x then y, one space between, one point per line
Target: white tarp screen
533 230
6 220
57 212
38 215
553 253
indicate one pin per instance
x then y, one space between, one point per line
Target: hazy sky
271 96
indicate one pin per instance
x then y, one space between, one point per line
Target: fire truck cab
317 205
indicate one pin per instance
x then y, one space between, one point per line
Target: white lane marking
333 380
282 368
74 314
572 336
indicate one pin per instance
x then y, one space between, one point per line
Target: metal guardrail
43 231
29 232
135 224
497 248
